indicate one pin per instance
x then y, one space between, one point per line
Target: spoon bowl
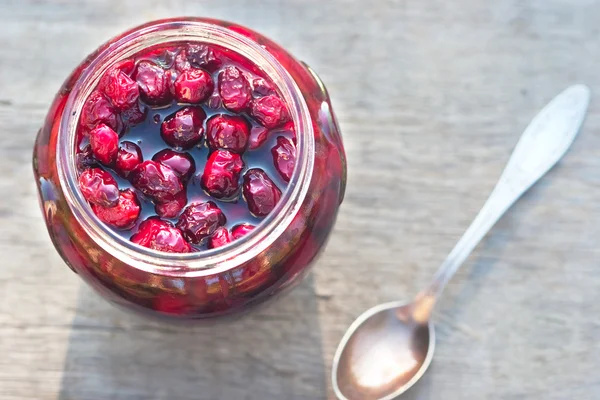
383 353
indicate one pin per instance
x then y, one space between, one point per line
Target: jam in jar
190 168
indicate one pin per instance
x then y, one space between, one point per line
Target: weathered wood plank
431 97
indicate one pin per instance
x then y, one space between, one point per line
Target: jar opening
209 261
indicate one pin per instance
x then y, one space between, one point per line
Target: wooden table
431 96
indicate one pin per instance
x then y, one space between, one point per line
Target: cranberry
262 87
181 62
153 82
220 238
98 110
85 158
184 128
122 91
160 235
127 66
203 56
156 181
234 89
227 132
99 187
258 135
270 111
105 144
260 192
284 157
182 163
124 214
172 208
200 220
129 156
222 174
241 230
134 115
193 86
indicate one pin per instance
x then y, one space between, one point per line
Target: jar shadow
272 353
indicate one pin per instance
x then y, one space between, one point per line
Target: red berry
184 128
284 157
262 87
172 208
127 66
154 83
200 220
182 163
181 62
227 132
193 86
122 91
234 89
129 156
241 230
160 235
203 56
124 214
105 144
222 174
258 135
98 110
270 111
99 187
220 238
157 181
85 158
260 192
134 115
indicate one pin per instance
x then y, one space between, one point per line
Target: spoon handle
544 142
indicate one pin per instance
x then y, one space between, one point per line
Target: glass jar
219 281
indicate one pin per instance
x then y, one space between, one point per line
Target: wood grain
431 96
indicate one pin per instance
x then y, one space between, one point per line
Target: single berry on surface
157 181
160 235
193 86
99 187
200 220
270 111
184 128
227 132
260 192
153 82
105 144
122 216
220 238
234 89
129 156
222 174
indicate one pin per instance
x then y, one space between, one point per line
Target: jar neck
209 261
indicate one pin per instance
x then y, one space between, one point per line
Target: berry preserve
190 168
171 126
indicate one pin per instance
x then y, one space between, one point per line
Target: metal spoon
389 347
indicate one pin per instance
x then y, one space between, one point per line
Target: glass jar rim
195 263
